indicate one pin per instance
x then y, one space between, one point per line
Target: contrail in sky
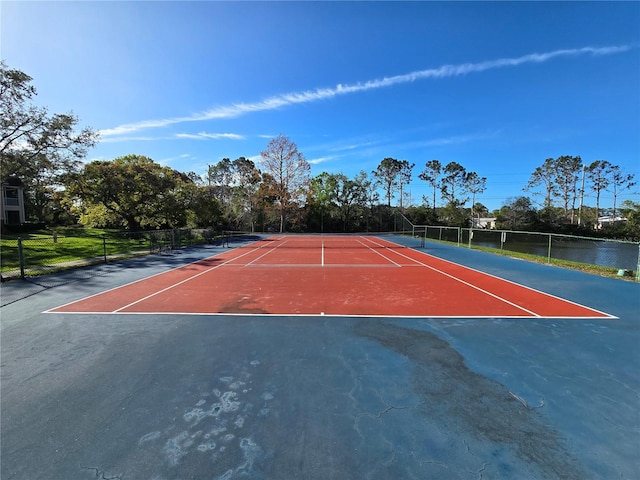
279 101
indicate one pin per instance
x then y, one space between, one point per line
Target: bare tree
290 171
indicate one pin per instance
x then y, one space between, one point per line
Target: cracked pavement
187 397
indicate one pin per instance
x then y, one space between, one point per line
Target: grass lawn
583 267
69 245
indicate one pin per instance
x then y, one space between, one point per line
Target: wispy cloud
127 139
214 136
167 161
317 161
294 98
453 139
354 146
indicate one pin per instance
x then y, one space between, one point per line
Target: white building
609 221
12 202
487 222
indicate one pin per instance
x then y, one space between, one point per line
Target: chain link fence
35 254
623 256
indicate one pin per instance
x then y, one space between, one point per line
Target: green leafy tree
619 182
475 184
558 179
137 191
404 177
544 176
350 196
567 175
453 188
220 177
431 174
371 195
245 191
631 211
322 193
516 214
454 184
386 175
268 211
392 174
481 209
37 147
235 184
599 174
204 209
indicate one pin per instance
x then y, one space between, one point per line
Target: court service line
375 251
317 265
186 280
468 284
265 254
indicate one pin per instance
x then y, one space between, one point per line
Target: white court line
265 254
317 265
416 263
466 283
340 315
375 251
155 275
498 278
187 279
139 280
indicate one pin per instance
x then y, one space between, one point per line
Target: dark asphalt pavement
164 397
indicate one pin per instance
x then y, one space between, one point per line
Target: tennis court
320 357
330 275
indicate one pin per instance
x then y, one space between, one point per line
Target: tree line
278 194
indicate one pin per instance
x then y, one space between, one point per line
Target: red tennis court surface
329 275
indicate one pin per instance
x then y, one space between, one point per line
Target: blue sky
497 87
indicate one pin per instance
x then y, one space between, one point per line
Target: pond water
595 252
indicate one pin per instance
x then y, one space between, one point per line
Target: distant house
12 202
487 223
610 221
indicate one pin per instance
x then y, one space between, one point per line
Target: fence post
104 247
21 257
638 267
549 251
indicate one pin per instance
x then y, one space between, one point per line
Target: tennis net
337 241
